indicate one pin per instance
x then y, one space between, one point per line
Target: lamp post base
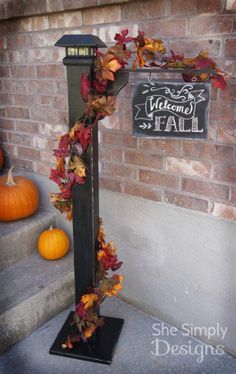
100 349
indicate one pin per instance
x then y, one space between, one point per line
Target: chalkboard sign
171 109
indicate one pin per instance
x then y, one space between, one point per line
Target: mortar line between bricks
82 10
112 24
165 38
164 188
210 142
165 172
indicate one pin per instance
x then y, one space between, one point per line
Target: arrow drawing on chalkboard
145 126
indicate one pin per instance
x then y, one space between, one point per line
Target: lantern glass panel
79 51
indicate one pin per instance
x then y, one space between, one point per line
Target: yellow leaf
77 165
89 299
113 65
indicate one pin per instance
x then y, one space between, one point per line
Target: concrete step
33 291
18 239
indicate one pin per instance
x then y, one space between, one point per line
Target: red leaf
63 147
66 194
56 176
202 61
122 53
122 37
85 86
219 81
84 136
76 179
81 311
100 86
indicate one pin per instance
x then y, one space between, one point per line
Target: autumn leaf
101 235
84 136
146 49
60 164
104 105
75 179
77 165
100 86
100 106
63 147
107 256
88 332
219 81
54 197
106 65
154 45
112 285
64 206
66 193
174 61
67 343
139 40
89 299
79 132
122 54
81 311
202 61
123 37
56 176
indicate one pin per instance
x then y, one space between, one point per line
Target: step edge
46 292
56 277
50 215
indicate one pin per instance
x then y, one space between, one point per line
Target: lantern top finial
80 40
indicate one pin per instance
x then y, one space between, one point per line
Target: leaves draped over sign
71 168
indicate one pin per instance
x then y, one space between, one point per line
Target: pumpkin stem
50 228
10 181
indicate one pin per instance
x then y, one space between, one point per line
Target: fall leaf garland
70 161
86 317
71 168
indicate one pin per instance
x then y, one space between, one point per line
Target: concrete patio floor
133 353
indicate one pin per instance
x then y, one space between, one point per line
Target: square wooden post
100 348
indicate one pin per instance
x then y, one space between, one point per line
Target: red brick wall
198 175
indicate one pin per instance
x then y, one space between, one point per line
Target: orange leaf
106 65
60 164
89 299
113 65
106 74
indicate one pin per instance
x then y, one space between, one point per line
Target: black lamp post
80 54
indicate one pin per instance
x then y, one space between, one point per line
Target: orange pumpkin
53 244
1 158
19 197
